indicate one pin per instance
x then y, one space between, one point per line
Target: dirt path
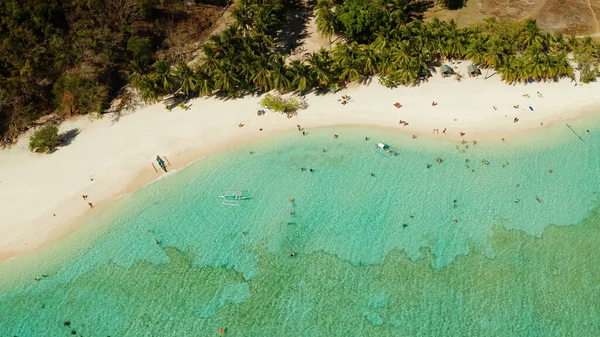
595 18
535 11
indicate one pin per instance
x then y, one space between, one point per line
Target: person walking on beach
91 205
84 197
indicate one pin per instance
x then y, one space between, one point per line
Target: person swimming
292 254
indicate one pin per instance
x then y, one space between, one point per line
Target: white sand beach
41 195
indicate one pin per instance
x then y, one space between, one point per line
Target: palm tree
137 73
494 52
476 50
242 15
386 65
532 33
260 78
162 74
302 76
186 77
278 76
225 79
210 58
382 41
320 63
368 61
346 60
148 89
204 82
326 23
455 41
507 69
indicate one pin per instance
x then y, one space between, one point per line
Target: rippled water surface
410 250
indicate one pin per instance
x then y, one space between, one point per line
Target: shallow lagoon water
375 256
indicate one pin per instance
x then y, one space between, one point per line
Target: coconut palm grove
388 39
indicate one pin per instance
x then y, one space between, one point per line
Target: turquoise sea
410 251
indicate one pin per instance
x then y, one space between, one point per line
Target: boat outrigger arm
232 198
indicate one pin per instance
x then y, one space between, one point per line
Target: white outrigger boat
233 198
384 147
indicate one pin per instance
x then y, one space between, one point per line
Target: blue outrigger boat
161 163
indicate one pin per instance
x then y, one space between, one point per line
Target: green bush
44 140
76 94
287 105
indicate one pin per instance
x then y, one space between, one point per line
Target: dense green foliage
69 56
387 39
44 139
73 56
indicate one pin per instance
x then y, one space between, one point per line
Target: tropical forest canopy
69 57
73 56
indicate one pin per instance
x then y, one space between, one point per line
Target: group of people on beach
345 99
85 199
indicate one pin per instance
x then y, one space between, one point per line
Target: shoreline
108 160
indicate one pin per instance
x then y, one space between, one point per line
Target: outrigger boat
233 198
383 147
161 163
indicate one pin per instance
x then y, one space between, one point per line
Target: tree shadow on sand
295 29
66 138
